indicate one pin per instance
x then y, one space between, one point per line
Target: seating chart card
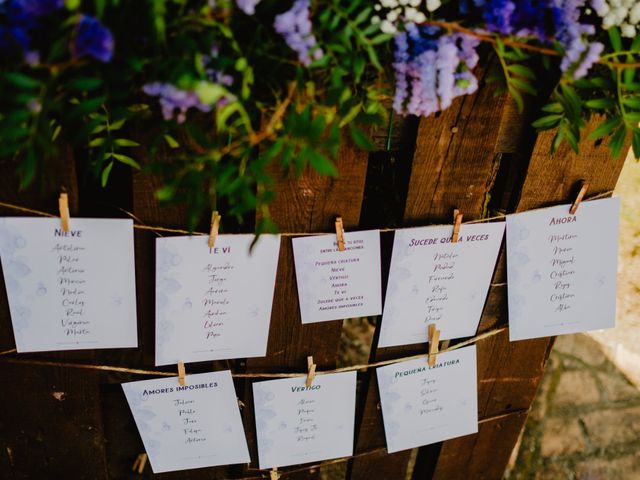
69 290
298 424
561 269
433 280
423 405
214 304
334 285
191 426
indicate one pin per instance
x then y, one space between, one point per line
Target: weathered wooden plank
306 204
51 420
477 453
510 373
454 166
124 443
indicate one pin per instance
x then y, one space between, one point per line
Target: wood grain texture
306 204
454 166
510 372
51 420
477 453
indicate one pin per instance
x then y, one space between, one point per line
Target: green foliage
516 77
256 110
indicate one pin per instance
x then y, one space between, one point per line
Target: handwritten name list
69 290
213 303
433 280
191 426
423 405
299 424
561 269
333 285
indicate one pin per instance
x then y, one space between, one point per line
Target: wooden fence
479 156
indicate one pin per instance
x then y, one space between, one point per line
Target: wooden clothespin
273 474
140 463
63 205
181 374
583 190
457 221
311 367
215 225
340 234
434 340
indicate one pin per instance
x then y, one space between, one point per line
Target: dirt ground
585 422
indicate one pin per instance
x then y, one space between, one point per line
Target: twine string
140 226
138 371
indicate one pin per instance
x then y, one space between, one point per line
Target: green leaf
382 38
96 142
361 139
124 142
165 193
351 114
320 163
22 81
600 103
105 174
615 39
521 70
84 83
172 142
126 160
635 143
617 141
632 117
117 125
87 106
523 85
605 128
555 107
549 121
633 102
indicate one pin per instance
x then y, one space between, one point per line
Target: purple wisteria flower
22 19
579 54
546 20
432 69
93 39
173 99
248 6
295 26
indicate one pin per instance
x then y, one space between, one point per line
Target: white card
432 280
561 269
423 405
194 426
69 291
216 304
334 285
296 424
